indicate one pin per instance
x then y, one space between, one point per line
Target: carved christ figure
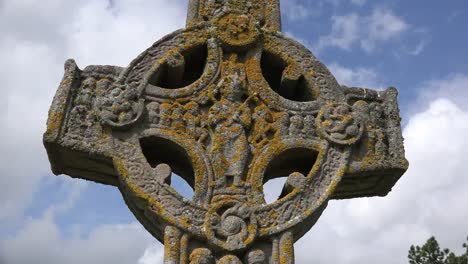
229 118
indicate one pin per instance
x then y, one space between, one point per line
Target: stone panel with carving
228 104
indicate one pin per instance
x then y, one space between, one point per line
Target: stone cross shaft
228 104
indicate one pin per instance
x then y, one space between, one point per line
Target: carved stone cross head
228 104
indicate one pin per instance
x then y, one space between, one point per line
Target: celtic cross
228 104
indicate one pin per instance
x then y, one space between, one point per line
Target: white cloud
295 10
453 87
454 16
418 49
345 33
116 36
41 240
357 77
359 2
428 200
364 31
152 255
383 26
37 38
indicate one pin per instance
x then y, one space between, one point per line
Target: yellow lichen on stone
54 123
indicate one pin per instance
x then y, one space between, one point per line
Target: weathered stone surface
227 103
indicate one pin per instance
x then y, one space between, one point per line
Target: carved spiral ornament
338 123
231 226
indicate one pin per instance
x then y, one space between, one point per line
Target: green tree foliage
431 253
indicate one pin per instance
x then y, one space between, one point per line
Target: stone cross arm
228 104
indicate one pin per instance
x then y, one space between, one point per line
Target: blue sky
417 46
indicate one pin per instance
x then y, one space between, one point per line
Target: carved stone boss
228 104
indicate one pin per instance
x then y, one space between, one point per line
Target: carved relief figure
230 260
296 125
217 6
119 106
282 125
153 112
228 119
191 117
177 118
165 114
373 117
201 256
262 125
193 123
106 103
255 256
85 97
79 112
309 129
377 123
83 103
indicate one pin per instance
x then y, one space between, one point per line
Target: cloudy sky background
417 46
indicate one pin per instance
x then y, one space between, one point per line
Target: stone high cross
228 104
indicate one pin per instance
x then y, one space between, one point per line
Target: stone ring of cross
228 104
